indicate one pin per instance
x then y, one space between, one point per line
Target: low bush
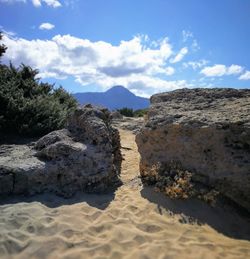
128 112
28 106
140 112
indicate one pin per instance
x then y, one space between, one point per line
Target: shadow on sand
223 218
100 201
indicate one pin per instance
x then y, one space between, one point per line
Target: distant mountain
115 98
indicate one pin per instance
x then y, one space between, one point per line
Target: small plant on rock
177 183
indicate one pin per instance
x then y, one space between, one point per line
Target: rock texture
85 156
207 132
133 124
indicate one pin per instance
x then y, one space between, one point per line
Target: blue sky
148 46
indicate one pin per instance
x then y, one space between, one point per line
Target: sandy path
131 223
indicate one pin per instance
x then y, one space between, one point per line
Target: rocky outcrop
206 132
83 157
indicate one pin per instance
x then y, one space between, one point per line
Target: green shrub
131 113
140 113
28 106
126 112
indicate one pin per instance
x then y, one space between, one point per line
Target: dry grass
177 183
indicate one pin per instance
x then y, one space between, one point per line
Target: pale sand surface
132 222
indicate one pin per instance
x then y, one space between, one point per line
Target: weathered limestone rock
207 132
84 157
115 115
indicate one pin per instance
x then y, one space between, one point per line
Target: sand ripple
131 223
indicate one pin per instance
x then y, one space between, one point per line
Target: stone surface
207 132
83 157
133 124
115 115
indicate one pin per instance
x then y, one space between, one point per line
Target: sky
148 46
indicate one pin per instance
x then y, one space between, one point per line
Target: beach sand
132 222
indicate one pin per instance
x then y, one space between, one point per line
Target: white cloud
133 63
143 85
216 70
221 70
180 55
52 3
36 3
169 71
234 70
245 76
12 1
46 26
195 64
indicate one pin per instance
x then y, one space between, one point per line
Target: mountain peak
116 97
118 89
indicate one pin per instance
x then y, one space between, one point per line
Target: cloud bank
36 3
134 63
221 70
140 64
245 76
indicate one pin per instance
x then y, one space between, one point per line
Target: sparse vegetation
131 113
140 112
126 112
177 183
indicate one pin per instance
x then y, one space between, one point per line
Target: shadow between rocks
224 218
98 200
11 139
